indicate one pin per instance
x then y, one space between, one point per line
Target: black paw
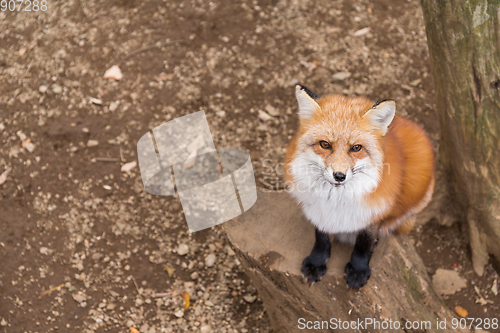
313 268
357 276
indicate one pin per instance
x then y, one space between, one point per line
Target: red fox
359 171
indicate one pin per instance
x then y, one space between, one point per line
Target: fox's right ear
381 115
307 103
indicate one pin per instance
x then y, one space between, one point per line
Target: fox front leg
357 271
314 266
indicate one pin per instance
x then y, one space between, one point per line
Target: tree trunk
272 239
464 46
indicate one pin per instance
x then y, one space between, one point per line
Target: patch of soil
446 248
83 247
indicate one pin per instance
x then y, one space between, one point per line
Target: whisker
360 171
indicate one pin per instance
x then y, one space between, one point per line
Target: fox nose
339 176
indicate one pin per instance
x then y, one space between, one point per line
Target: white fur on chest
337 215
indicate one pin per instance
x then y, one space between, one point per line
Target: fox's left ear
381 114
307 103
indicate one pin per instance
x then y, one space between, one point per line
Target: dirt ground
83 247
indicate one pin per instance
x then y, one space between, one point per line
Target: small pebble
210 260
81 277
92 143
340 76
113 73
272 110
114 105
250 298
206 329
189 288
30 147
57 89
361 32
45 251
230 251
79 297
95 101
21 136
182 250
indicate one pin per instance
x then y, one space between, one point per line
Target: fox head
338 147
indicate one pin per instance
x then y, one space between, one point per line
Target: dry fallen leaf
185 302
406 87
25 143
333 30
133 330
129 166
361 32
461 311
415 83
22 51
95 101
114 73
169 269
190 160
264 116
3 176
309 65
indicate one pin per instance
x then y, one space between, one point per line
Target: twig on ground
149 47
46 292
106 159
164 294
135 284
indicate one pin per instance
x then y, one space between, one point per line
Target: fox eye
324 144
356 148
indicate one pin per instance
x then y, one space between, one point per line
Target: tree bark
272 239
464 47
